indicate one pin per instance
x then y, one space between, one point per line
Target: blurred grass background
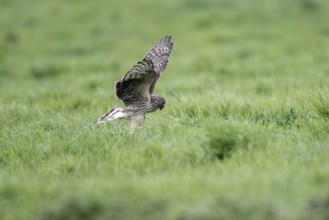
244 134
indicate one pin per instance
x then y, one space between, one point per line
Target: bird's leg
136 122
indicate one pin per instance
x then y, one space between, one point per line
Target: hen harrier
135 89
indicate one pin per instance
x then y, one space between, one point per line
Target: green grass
244 134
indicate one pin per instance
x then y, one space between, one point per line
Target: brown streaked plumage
136 87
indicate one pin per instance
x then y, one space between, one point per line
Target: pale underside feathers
135 89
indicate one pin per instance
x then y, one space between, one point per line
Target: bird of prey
135 89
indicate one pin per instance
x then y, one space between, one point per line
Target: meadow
244 133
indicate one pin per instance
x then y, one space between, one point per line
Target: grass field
245 130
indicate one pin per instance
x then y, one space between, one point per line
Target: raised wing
159 55
133 88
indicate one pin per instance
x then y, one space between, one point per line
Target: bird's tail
112 114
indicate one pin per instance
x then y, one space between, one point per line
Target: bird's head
157 102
